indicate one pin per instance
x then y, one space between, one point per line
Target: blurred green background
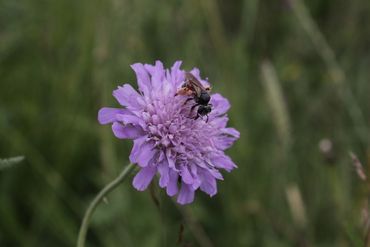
296 73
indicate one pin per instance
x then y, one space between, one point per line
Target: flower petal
108 115
142 152
144 177
223 161
219 122
216 174
185 175
195 72
127 96
177 76
136 149
186 194
172 188
158 75
232 132
127 131
220 105
163 170
208 184
196 180
227 138
143 79
170 160
131 119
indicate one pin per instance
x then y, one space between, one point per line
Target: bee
192 87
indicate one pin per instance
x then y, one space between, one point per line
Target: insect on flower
200 94
186 153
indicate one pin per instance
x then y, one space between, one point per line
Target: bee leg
192 108
207 118
187 100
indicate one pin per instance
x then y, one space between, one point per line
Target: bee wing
198 87
184 91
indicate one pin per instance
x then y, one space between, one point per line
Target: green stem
103 193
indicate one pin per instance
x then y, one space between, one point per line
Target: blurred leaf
10 162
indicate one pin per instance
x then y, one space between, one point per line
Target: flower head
187 152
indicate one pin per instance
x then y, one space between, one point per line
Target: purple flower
186 152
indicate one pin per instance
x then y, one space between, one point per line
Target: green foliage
60 61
